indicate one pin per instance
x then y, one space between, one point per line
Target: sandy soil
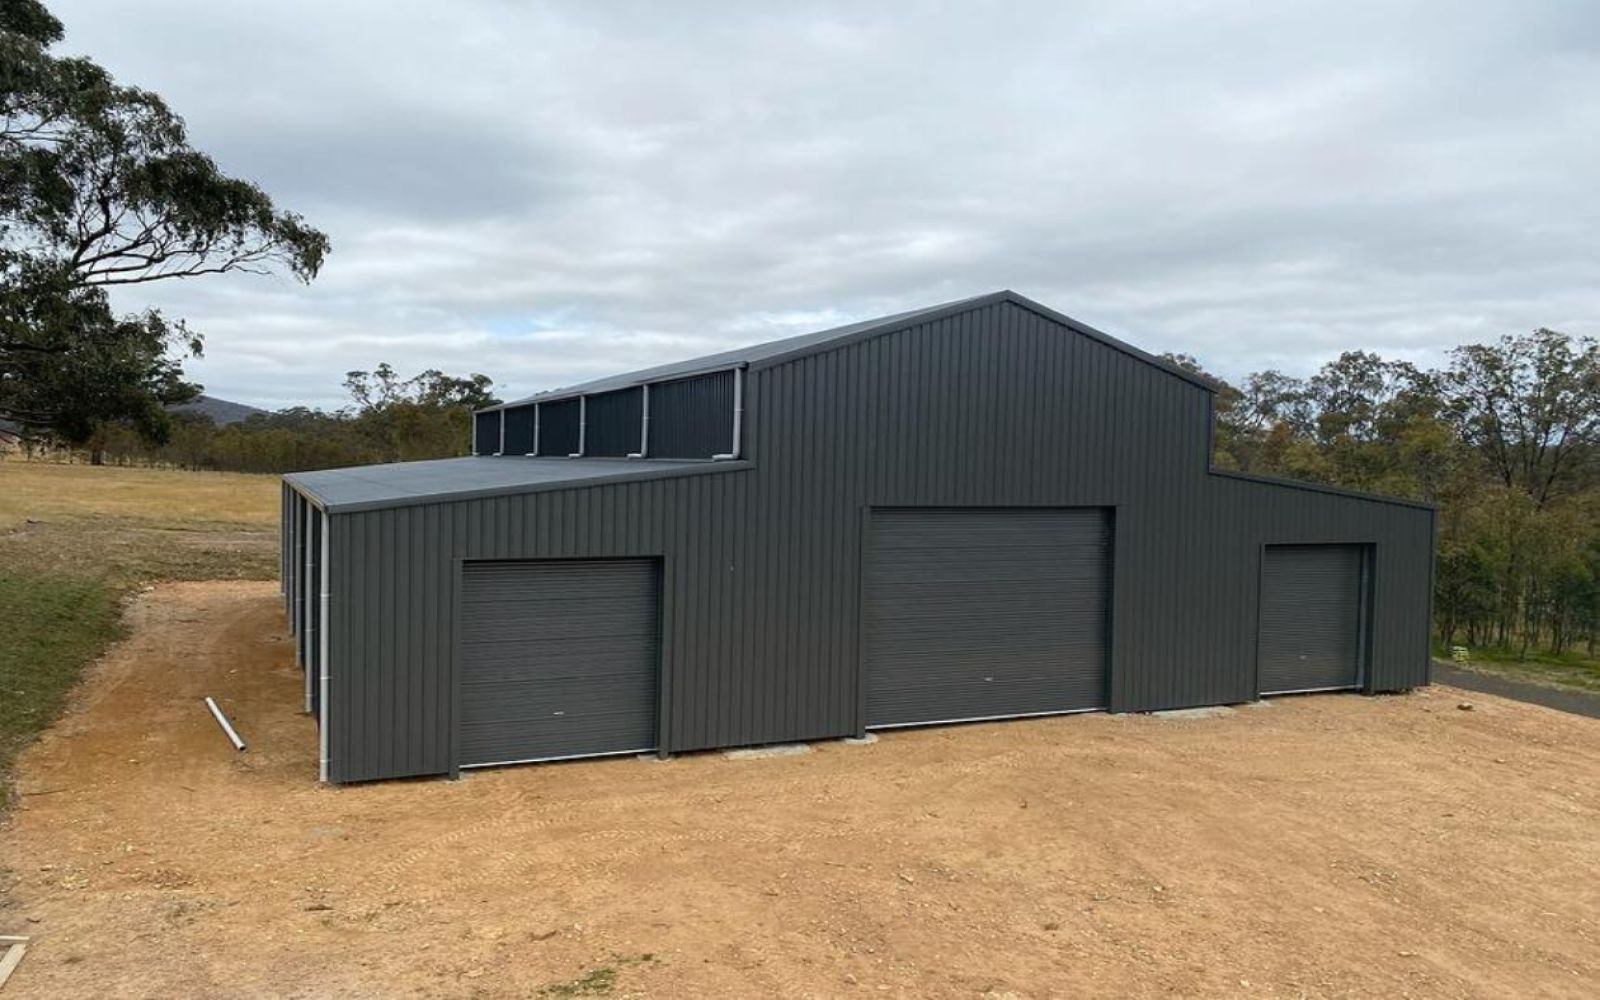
1322 846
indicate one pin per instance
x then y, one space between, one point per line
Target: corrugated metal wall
558 427
285 547
297 566
518 431
998 406
314 625
486 433
692 417
614 423
300 560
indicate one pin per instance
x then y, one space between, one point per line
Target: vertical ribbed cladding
314 598
347 629
558 427
692 417
297 563
518 431
292 581
295 559
286 549
486 432
613 423
998 406
283 543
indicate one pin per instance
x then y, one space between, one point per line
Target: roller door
558 659
1311 618
986 613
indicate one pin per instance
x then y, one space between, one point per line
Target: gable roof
787 349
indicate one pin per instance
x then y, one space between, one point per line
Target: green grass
595 982
1569 670
598 981
52 627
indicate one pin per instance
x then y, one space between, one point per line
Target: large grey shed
979 510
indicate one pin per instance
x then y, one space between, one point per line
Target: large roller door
558 659
1311 618
986 613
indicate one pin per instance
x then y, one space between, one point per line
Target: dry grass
124 527
52 492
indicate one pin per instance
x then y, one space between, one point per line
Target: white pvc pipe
222 720
644 422
738 416
583 425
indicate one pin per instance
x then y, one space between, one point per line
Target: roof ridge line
763 354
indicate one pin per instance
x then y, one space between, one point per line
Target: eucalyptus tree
100 188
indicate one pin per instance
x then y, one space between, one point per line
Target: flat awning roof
404 484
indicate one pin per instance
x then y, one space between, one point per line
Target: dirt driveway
1324 846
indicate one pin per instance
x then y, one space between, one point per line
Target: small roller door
558 659
974 614
1311 618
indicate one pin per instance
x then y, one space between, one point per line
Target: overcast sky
550 192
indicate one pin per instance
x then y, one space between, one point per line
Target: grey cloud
545 194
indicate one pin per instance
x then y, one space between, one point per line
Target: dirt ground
1320 846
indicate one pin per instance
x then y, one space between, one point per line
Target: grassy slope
74 539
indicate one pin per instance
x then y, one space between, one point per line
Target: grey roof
367 487
807 343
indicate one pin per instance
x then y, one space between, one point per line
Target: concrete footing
1208 712
761 753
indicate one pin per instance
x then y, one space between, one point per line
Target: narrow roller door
558 659
1311 621
976 614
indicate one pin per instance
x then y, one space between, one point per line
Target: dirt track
1325 846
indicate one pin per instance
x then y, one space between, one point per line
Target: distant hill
221 411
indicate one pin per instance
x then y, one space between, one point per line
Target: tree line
1504 439
388 419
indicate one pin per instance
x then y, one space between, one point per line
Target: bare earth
1322 846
